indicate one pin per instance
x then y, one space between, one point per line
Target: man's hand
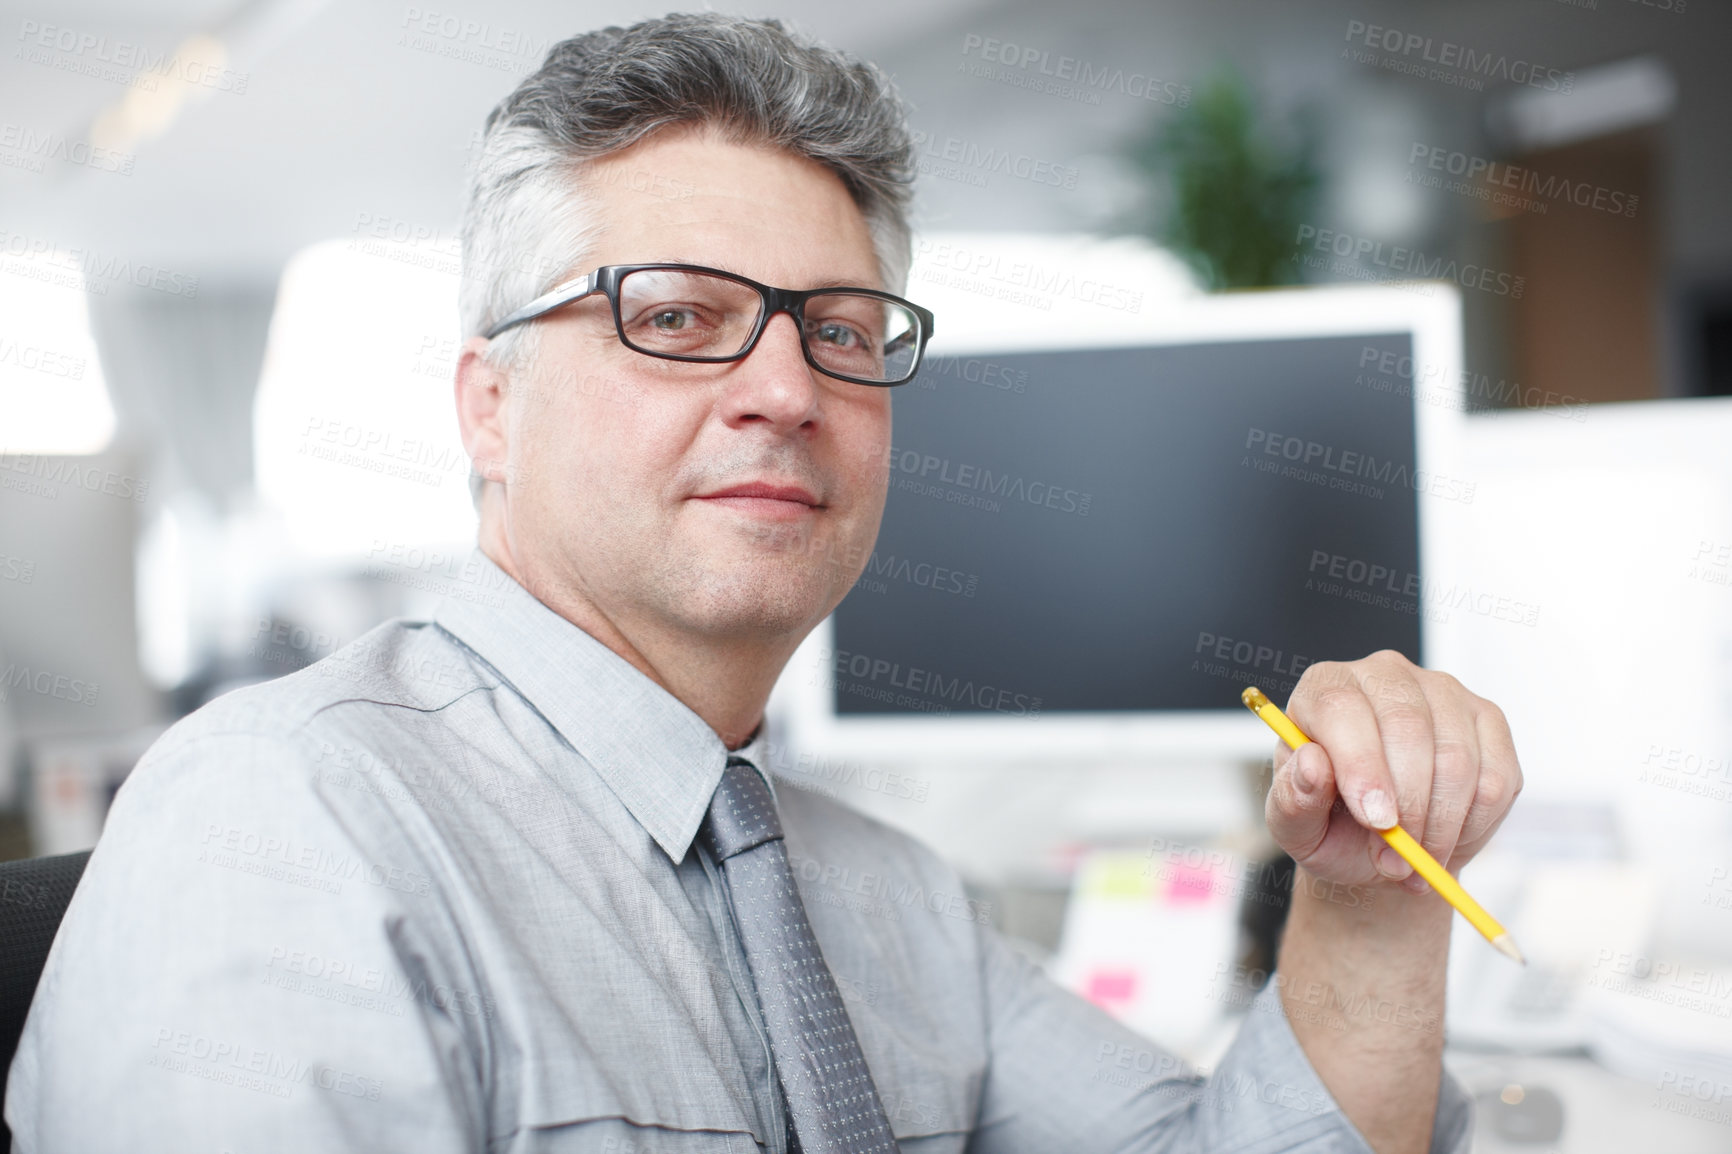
1363 981
1404 744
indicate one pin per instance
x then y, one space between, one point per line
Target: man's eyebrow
827 282
835 282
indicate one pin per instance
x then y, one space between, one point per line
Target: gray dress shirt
440 892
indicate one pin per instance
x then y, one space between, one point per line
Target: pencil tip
1506 946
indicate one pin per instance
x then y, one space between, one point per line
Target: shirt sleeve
1064 1075
235 972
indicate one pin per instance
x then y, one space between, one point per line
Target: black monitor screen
1137 529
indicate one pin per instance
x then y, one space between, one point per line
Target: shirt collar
660 759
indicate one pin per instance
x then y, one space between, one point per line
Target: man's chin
751 596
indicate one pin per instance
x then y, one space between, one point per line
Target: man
512 879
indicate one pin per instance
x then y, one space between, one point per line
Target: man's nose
774 383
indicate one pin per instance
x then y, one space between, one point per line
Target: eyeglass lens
673 312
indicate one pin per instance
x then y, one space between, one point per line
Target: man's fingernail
1304 771
1392 865
1416 884
1379 810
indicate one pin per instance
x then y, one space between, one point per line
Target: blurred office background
228 258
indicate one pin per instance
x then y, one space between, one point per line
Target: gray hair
524 224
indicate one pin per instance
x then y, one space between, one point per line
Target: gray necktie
831 1101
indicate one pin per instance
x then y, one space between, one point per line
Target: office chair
33 897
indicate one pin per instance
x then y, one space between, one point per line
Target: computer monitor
1091 546
69 666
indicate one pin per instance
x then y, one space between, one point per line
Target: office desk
1604 1112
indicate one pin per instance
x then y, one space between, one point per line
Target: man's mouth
765 499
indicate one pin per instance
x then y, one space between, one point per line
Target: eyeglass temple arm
901 341
545 303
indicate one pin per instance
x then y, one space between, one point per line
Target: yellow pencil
1399 839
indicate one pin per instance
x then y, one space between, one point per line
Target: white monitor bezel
1429 310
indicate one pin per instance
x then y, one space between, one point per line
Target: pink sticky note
1107 986
1190 885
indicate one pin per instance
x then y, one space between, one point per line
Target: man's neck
727 685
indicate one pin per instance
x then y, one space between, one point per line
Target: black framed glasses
685 312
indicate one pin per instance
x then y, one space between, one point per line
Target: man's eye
839 335
670 320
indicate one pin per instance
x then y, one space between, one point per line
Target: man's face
621 461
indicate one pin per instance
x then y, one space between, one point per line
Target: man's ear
481 399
